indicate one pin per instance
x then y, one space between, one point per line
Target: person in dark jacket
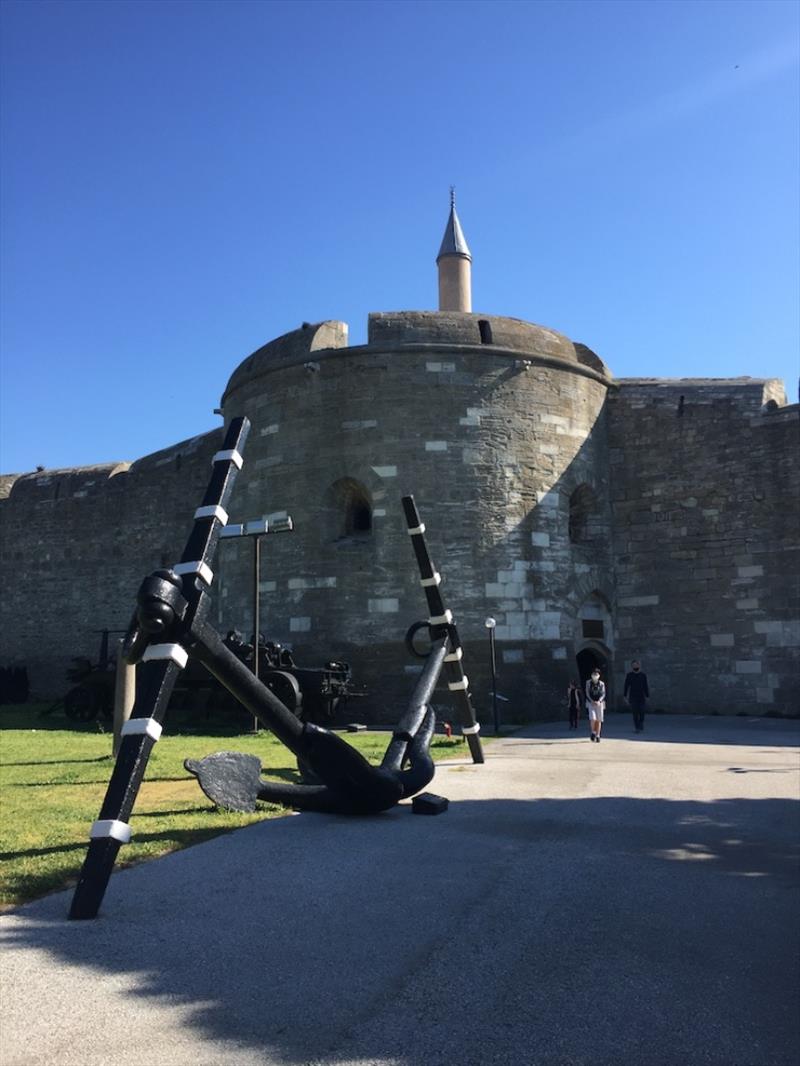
574 703
637 694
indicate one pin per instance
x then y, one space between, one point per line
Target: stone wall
76 545
705 499
643 518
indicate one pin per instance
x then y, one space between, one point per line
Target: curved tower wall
492 439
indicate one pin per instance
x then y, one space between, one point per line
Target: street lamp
490 625
257 529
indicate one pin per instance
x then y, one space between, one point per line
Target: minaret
455 265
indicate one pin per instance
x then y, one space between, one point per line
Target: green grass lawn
53 776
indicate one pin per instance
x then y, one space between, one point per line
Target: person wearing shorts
595 704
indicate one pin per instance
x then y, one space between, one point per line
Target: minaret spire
454 262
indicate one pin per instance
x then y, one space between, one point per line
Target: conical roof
453 242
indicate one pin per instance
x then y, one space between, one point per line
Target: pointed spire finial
452 196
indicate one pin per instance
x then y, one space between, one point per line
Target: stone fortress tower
596 520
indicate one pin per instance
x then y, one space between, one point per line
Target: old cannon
313 694
92 694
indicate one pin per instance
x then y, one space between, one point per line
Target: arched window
349 507
582 507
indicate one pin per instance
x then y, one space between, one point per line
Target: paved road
631 902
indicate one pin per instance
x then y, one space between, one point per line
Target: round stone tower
497 428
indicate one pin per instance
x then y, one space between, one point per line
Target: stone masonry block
638 601
383 605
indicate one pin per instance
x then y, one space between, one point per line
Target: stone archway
593 654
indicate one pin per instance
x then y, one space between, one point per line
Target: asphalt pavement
630 902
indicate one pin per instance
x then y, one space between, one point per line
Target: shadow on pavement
600 930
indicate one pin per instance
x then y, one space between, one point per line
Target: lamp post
490 625
257 529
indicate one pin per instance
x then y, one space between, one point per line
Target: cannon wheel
81 703
286 688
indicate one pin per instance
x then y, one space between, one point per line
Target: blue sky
183 181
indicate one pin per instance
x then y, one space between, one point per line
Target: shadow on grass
60 762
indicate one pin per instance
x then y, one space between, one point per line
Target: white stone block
638 601
544 566
263 586
722 640
385 471
379 512
534 605
267 431
469 420
748 666
768 627
435 445
559 653
747 604
750 571
548 499
312 583
384 605
299 625
513 655
541 540
492 591
517 589
787 637
545 625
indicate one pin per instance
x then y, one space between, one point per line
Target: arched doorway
594 654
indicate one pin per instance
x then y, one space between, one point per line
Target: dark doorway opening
587 660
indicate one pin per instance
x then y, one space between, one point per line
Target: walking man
636 693
595 704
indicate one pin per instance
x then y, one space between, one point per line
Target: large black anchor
170 624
